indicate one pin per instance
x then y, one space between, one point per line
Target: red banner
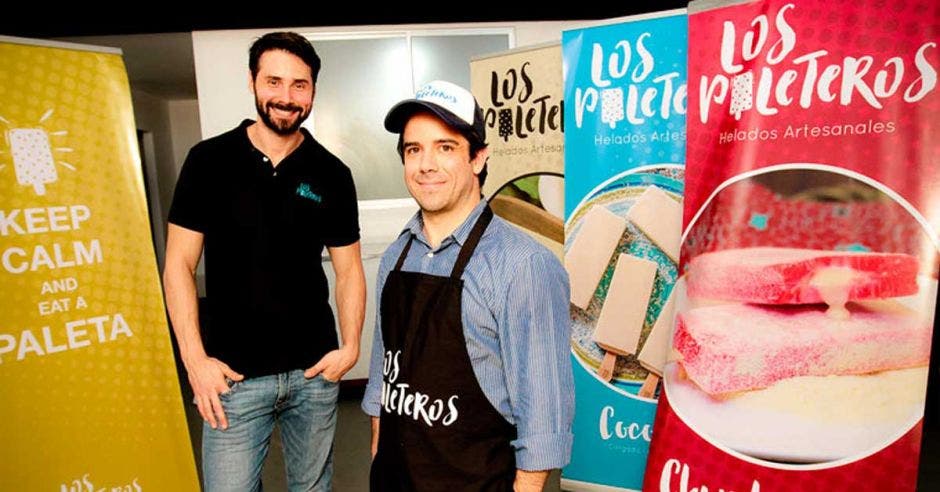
808 275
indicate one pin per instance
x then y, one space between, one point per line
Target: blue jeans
305 410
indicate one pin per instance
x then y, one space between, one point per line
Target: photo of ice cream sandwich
820 353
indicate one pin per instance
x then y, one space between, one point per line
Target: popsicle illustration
738 347
505 124
768 275
660 218
655 350
32 158
620 323
742 94
587 258
612 106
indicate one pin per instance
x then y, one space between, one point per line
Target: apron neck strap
468 246
404 252
471 243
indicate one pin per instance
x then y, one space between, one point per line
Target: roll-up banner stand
520 92
89 390
808 277
625 105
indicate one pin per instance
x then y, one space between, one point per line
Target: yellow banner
90 396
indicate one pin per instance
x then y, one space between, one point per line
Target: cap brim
400 113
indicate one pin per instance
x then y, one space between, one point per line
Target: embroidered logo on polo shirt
304 190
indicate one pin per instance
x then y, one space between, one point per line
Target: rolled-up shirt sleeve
535 327
372 399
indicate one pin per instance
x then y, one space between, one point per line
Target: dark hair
475 147
290 42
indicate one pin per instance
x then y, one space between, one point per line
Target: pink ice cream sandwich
800 276
738 347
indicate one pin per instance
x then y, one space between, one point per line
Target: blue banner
625 104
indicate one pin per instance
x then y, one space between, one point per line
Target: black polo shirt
264 230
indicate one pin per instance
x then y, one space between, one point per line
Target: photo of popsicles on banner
625 105
622 252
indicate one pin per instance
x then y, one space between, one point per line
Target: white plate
808 419
552 194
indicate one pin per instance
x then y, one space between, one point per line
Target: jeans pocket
232 388
322 385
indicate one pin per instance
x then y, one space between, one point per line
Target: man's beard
280 126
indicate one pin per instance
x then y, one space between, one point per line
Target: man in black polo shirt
264 199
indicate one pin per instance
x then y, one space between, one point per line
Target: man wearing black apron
470 386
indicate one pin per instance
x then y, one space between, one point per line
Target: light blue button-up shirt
516 323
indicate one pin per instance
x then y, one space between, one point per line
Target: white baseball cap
450 102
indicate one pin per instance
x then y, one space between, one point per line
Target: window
365 74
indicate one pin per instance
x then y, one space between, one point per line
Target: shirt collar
416 226
243 127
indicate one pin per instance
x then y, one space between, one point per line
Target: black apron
437 430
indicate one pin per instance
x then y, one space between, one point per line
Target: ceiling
92 19
157 43
158 64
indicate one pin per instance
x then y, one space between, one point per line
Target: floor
351 451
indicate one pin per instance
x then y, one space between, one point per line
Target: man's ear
480 160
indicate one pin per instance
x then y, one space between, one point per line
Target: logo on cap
452 103
451 97
428 93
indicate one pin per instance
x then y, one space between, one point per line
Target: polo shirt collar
243 127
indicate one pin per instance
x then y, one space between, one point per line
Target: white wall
184 125
151 114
